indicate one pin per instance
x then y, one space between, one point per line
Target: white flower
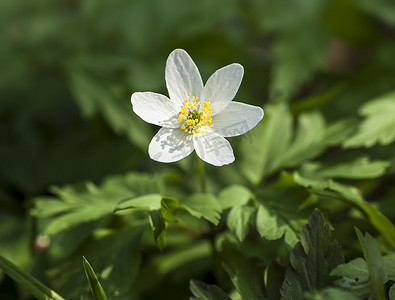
196 117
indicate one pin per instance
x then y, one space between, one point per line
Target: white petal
213 148
222 87
182 77
155 109
236 119
170 145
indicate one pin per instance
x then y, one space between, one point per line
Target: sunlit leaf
277 145
378 125
160 209
234 195
279 214
356 269
96 288
159 226
350 195
239 219
75 205
148 202
207 291
28 282
308 140
203 206
360 168
271 140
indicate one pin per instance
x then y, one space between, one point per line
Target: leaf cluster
305 212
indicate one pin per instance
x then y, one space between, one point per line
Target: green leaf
385 9
352 196
378 125
207 291
159 226
239 219
203 205
271 139
282 15
168 206
374 262
331 294
245 273
148 202
356 269
94 96
316 101
15 234
277 145
299 53
389 267
160 209
308 136
234 195
96 288
311 138
274 277
360 168
28 282
116 255
392 292
75 204
312 259
181 261
279 213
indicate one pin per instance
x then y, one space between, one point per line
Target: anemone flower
196 116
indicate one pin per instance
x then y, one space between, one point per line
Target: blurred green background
68 69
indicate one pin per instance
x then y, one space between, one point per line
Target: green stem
219 273
202 175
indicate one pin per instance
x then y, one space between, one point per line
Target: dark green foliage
76 179
245 273
311 260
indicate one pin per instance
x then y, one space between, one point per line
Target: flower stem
219 274
202 175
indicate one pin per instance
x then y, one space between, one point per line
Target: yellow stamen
195 115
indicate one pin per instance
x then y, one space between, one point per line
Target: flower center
196 116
